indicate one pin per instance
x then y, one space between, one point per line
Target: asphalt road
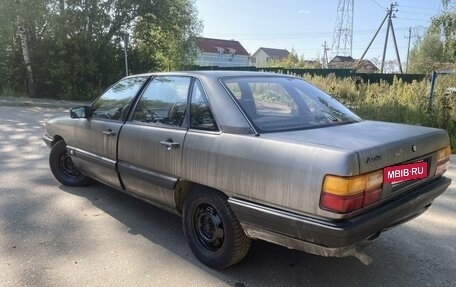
96 236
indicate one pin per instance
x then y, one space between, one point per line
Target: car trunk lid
377 144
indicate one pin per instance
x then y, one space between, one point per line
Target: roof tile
213 45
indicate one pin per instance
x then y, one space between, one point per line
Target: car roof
213 74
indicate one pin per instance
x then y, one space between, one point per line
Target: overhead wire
415 13
257 36
383 8
415 7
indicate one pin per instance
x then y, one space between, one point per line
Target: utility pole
373 38
126 37
408 48
413 33
389 14
324 63
388 17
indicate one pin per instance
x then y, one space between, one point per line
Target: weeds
11 93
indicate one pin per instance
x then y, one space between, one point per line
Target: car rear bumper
331 238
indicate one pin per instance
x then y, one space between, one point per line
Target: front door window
164 102
115 102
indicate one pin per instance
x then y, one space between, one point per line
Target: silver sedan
244 155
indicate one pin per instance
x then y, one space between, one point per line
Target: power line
415 7
411 19
383 8
416 13
295 33
354 48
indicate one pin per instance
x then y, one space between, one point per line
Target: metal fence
389 78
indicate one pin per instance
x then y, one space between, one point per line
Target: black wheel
62 167
212 230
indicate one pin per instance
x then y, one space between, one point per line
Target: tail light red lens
341 204
372 196
346 194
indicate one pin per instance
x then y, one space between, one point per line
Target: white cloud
302 11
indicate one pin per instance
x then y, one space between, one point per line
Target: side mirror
83 112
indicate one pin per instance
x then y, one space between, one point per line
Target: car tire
62 167
212 230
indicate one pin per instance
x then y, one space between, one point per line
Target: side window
271 99
115 102
234 89
200 114
163 102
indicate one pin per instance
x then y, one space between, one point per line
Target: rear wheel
212 230
62 167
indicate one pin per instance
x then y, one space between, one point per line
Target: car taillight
345 194
443 160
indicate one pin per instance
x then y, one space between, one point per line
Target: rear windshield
281 103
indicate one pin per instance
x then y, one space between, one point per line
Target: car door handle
109 133
169 144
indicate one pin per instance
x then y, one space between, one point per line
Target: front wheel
212 230
62 167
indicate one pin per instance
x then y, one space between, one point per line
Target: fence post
431 94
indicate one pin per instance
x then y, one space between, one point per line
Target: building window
253 60
220 52
232 52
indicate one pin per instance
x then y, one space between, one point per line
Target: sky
305 25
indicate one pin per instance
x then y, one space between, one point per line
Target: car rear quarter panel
279 174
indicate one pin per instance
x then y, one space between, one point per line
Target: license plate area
405 172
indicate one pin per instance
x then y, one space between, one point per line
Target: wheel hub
208 227
67 166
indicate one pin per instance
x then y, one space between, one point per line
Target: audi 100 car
247 155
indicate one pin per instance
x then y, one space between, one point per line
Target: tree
74 47
165 38
437 49
428 54
390 66
19 26
445 24
293 61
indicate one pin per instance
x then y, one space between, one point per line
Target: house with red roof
221 53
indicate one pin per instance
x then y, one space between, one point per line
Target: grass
10 93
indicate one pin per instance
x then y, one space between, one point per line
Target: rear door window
280 103
201 117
